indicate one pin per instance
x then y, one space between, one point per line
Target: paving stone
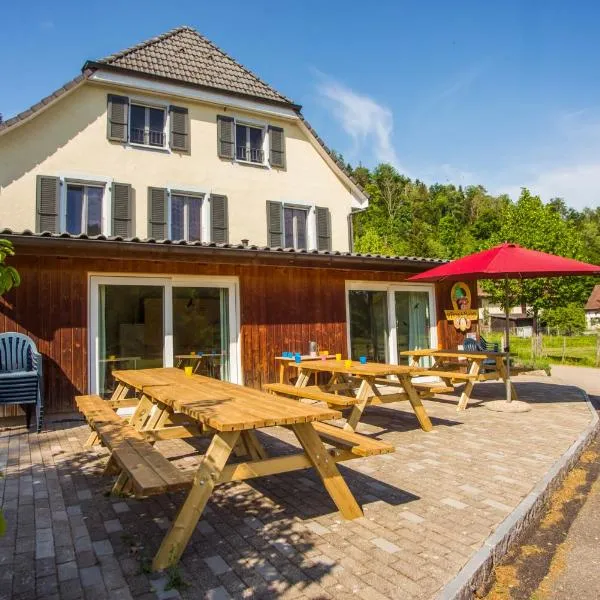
498 505
385 545
120 507
409 516
454 503
68 570
219 593
102 548
317 528
217 565
90 576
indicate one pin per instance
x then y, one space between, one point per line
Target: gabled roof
186 56
593 302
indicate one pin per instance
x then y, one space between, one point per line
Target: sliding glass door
386 319
145 322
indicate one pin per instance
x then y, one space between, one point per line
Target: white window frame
307 209
167 282
248 122
105 183
149 103
391 289
197 197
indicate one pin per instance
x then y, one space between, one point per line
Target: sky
500 93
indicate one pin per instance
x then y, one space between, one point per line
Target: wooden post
207 475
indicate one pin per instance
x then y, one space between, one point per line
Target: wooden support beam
207 475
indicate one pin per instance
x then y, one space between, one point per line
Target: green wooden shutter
118 118
323 228
225 137
180 129
276 147
158 206
122 212
47 204
219 219
274 224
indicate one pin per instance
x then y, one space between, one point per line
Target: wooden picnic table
229 414
285 362
369 375
481 366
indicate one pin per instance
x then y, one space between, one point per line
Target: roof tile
185 55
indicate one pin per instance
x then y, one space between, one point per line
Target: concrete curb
478 569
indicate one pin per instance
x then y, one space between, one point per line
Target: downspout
353 211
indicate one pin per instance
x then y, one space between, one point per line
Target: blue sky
506 94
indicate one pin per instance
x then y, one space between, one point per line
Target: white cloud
368 123
578 185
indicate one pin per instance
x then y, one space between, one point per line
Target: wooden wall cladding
281 308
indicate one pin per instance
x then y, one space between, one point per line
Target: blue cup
363 360
298 358
287 355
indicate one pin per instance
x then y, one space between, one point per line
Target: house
592 310
167 201
492 317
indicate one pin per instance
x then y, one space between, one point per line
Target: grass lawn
578 350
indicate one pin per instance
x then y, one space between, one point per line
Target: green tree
568 320
537 226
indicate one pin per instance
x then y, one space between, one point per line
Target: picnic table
285 362
367 377
481 366
174 405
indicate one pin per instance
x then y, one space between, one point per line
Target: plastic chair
21 375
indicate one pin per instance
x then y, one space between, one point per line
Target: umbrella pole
506 338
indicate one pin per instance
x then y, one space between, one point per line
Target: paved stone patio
428 508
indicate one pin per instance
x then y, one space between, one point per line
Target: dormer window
249 143
147 125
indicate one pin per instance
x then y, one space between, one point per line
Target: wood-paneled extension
282 306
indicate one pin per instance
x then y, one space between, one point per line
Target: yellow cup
338 356
188 371
112 357
348 364
193 353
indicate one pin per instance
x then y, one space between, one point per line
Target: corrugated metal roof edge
212 246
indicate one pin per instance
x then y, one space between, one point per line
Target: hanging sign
462 314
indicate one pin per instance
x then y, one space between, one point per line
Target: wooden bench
356 443
313 392
142 467
423 387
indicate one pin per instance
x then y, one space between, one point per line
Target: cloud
368 123
577 184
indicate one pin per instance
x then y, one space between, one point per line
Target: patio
428 508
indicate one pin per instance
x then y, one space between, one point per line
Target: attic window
147 125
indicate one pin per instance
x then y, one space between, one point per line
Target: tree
534 225
9 276
568 320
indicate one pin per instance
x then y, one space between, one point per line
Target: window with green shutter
276 147
323 218
157 213
118 118
180 129
225 137
47 204
219 219
274 224
122 210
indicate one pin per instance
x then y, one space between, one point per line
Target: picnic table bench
446 365
229 414
344 378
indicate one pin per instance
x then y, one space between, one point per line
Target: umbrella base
516 406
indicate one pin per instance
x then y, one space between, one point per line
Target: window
147 125
186 217
294 226
84 209
249 143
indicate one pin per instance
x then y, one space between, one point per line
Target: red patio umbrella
507 261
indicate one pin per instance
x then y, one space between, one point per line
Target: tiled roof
242 248
185 55
593 302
